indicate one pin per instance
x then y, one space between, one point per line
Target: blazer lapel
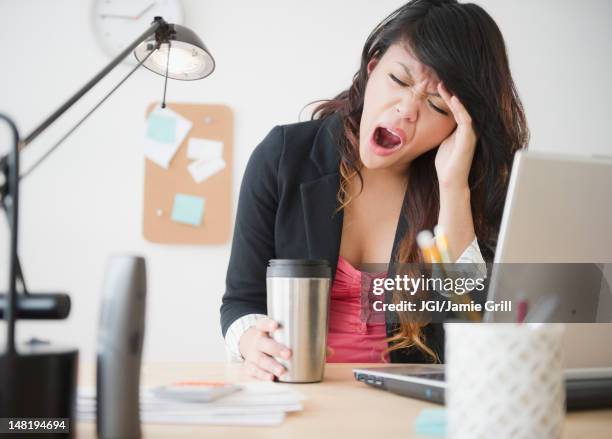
322 223
400 231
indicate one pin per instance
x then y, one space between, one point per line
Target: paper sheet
161 128
204 149
164 133
208 158
203 169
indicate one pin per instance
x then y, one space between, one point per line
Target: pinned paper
161 128
208 156
203 169
166 130
188 209
204 149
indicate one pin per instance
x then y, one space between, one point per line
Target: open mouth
386 139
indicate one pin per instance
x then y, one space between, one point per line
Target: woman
425 135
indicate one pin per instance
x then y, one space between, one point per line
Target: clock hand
129 17
145 10
125 17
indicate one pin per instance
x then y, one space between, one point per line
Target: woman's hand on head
455 154
259 350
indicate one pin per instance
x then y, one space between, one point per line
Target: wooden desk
337 407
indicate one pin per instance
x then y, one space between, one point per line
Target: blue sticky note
161 128
187 209
431 422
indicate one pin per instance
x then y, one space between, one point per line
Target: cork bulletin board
188 183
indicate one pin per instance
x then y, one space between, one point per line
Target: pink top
356 332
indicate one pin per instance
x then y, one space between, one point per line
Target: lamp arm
155 26
81 120
158 26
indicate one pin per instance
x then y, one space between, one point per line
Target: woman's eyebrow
407 70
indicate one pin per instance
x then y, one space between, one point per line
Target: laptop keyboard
433 376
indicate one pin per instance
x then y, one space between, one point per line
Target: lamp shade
189 57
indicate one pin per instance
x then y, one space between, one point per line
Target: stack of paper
257 404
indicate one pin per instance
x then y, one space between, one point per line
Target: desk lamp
38 380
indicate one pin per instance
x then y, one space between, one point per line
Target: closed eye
394 78
438 109
403 84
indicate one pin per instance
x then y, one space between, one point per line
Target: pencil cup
298 299
504 380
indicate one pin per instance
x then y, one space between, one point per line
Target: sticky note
188 209
203 169
161 128
204 149
160 121
431 422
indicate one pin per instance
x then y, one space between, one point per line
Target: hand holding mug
259 350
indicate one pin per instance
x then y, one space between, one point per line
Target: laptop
543 188
585 388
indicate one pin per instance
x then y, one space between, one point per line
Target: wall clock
117 23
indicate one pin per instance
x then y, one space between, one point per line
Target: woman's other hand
455 154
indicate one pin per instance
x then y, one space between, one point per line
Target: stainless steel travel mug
298 294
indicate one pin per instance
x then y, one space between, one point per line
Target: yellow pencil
427 244
441 240
436 251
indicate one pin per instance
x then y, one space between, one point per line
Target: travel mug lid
298 268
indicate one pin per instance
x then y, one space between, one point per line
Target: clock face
118 23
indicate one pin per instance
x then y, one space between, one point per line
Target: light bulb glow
187 62
183 60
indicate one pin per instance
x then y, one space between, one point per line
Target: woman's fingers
269 364
461 115
262 366
267 344
260 362
464 135
444 94
266 324
255 371
271 347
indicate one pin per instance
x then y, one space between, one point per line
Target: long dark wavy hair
462 44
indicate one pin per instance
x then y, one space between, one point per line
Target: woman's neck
384 177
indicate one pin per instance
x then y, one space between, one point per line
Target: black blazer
286 211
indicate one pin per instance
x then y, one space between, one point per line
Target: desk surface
339 406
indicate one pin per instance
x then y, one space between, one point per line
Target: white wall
273 57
